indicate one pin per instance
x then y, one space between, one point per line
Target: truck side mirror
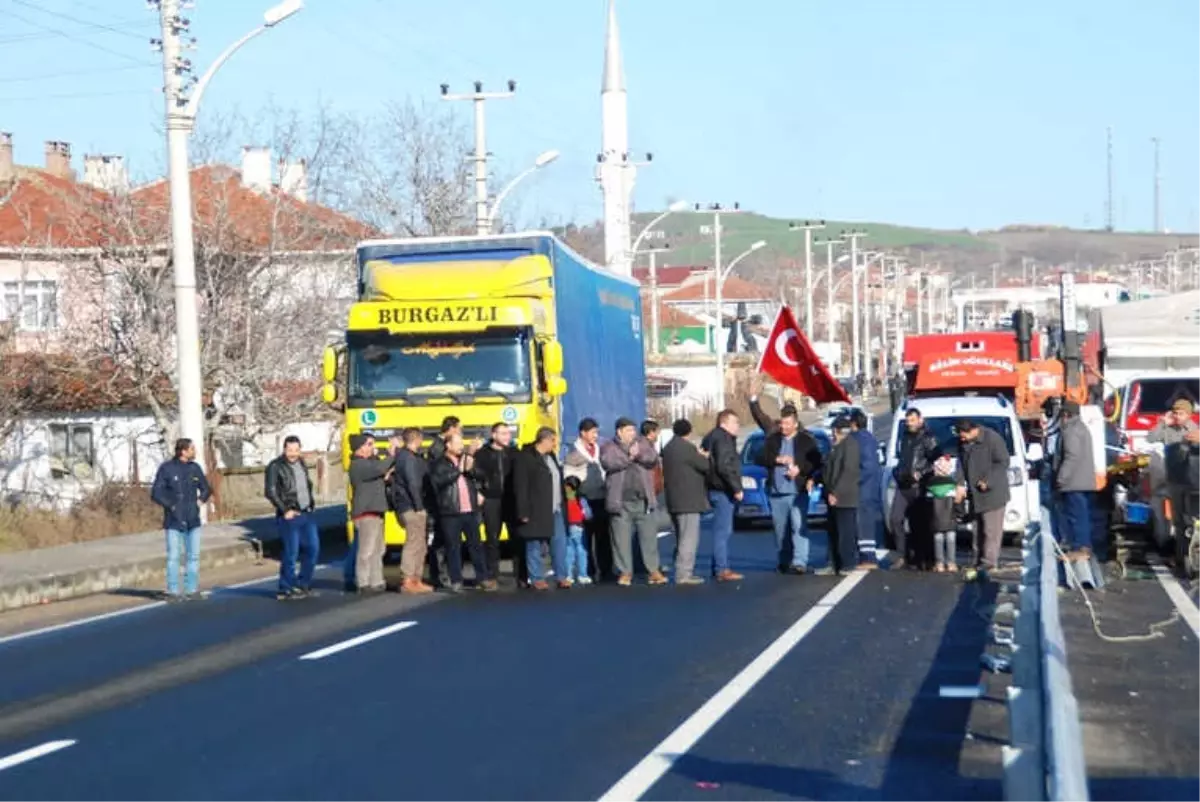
329 393
329 365
556 386
552 358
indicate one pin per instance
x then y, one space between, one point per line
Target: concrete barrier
132 561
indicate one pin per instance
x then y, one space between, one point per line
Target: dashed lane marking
358 641
47 748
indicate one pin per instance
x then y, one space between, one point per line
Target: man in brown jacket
629 462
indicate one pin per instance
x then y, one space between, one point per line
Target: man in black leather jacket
494 468
455 490
289 488
724 489
918 450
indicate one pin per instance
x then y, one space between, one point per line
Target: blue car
754 507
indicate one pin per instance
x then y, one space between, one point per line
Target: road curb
105 571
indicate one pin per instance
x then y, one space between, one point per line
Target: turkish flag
789 359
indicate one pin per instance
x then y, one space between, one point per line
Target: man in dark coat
180 488
841 491
494 467
685 474
982 476
724 490
791 458
629 461
455 491
539 508
409 494
917 451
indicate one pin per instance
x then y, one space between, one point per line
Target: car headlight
748 483
1015 476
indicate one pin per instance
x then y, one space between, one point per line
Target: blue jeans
722 529
300 540
577 556
1076 520
187 541
789 514
558 554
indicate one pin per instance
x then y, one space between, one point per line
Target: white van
997 414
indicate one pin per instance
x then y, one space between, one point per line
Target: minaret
615 171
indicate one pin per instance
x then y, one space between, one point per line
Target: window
71 445
31 305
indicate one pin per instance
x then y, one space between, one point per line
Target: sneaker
656 578
625 580
729 575
826 571
565 584
690 580
540 584
584 580
287 595
455 588
952 568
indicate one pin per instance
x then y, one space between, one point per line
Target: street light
677 206
538 163
181 121
808 228
721 276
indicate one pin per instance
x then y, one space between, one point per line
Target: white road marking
33 754
653 766
960 691
361 639
141 608
1179 597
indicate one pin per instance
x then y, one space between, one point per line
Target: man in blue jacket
870 490
180 488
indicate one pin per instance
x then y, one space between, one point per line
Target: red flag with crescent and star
789 359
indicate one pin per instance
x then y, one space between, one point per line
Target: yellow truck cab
511 328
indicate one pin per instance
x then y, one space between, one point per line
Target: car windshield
947 437
754 446
420 367
1156 395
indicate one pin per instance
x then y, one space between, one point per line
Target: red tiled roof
668 317
40 210
734 289
671 276
240 218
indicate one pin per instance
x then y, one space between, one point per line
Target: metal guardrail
1045 759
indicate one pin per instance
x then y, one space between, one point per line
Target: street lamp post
829 243
808 228
721 276
677 206
538 163
181 121
853 236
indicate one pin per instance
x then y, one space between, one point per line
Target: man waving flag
789 359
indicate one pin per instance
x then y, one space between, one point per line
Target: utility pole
829 243
1108 206
717 210
853 236
1158 226
654 300
808 228
479 98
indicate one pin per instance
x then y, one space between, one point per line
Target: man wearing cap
368 502
1181 458
982 476
1074 472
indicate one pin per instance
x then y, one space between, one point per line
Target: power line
67 73
72 37
44 96
70 18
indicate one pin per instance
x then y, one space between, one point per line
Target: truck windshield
420 367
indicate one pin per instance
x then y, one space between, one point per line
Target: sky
940 113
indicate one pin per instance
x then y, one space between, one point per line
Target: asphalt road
542 696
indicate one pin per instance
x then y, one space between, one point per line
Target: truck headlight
748 483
